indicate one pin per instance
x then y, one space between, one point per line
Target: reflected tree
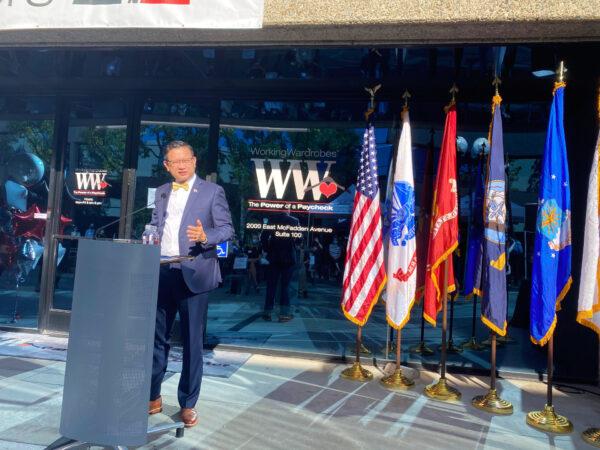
103 148
156 137
36 137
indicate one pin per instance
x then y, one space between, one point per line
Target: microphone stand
131 214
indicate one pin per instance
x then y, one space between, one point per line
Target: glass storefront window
271 153
27 65
143 64
289 118
163 122
301 154
26 133
93 183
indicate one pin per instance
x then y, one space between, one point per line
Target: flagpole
472 343
397 380
421 347
547 420
441 390
356 372
592 435
451 347
491 402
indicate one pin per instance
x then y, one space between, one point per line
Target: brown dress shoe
155 406
189 417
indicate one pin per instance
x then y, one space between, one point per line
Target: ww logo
279 178
91 182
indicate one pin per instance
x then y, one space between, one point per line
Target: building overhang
353 22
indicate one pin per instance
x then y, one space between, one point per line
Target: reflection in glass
266 152
26 131
163 122
93 165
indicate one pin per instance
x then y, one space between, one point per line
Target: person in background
320 257
281 254
253 254
303 272
192 217
335 252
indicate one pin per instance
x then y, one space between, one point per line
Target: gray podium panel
109 359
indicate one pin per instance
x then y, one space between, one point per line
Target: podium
111 342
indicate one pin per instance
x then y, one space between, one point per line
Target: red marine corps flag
443 235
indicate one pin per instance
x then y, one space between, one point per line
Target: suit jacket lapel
194 194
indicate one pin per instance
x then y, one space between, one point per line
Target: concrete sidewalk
288 403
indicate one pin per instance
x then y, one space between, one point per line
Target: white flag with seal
588 310
402 246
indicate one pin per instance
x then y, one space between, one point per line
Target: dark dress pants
276 272
173 297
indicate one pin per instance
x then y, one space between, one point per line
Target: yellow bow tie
183 186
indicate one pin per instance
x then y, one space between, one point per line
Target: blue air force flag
551 274
493 274
402 247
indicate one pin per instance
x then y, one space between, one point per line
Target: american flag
364 274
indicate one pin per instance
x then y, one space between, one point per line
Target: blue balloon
61 253
480 146
26 169
462 145
16 195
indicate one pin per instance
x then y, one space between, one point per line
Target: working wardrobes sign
38 14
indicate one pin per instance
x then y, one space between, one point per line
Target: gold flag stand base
357 373
441 391
592 436
547 420
397 381
472 344
491 403
422 349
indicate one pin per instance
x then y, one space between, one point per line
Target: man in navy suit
192 216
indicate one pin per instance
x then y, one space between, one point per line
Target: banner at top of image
39 14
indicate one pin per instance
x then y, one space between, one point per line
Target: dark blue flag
473 260
493 274
551 274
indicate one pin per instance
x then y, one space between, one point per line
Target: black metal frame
66 88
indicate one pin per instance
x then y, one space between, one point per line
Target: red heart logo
328 189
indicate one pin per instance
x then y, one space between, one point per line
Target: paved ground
287 403
319 325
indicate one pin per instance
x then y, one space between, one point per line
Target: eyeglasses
181 162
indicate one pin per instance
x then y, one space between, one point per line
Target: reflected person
192 216
280 247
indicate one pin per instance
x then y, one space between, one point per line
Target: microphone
131 214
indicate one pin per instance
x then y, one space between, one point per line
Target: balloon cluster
22 228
